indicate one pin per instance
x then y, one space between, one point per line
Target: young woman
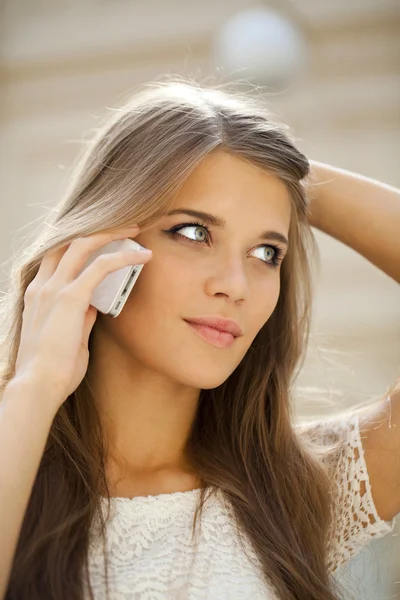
155 455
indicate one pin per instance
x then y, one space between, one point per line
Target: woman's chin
204 378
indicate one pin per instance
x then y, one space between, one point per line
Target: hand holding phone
111 294
58 317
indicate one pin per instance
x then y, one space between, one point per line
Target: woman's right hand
58 318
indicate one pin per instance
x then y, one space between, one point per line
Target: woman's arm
380 437
360 212
25 421
365 215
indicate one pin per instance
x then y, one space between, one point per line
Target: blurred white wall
62 64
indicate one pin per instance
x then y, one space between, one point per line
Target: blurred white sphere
263 46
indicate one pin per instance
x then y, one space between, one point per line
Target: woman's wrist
31 395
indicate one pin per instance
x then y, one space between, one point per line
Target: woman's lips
221 339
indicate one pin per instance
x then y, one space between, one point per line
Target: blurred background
330 70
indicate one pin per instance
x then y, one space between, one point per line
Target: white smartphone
111 294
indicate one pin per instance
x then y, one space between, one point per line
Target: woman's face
229 272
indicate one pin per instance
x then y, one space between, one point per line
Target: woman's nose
228 278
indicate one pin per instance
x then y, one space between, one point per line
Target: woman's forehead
231 188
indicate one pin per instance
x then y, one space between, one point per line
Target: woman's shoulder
355 520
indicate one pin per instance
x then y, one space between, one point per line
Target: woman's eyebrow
219 222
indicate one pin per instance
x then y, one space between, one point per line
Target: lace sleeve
355 520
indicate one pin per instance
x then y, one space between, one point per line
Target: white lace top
150 548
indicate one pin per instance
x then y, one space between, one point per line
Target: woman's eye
269 254
199 235
265 253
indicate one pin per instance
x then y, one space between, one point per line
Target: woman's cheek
267 299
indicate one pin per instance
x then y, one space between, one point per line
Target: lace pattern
152 555
356 520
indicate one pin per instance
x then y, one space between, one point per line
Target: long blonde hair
242 441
